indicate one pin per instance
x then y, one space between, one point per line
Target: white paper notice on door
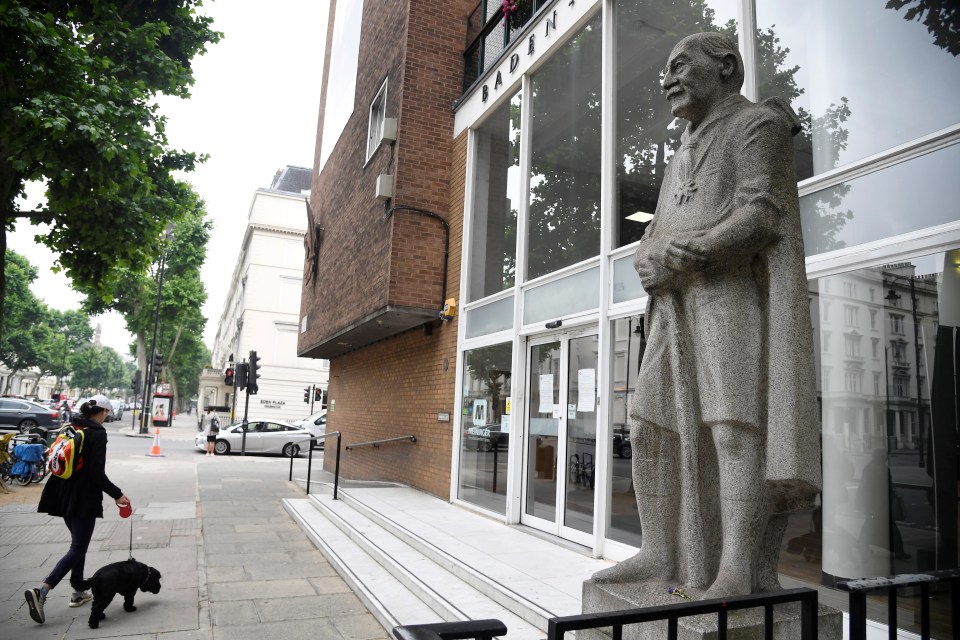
546 393
586 390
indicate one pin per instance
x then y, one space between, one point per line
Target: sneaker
35 602
80 598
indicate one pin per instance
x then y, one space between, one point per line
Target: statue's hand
685 253
653 275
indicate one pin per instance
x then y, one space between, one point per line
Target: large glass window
647 134
628 345
493 249
486 423
863 76
889 501
564 221
909 196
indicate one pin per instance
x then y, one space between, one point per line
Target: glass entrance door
561 434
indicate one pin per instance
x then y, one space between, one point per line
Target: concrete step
406 579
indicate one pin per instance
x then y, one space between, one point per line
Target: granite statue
724 422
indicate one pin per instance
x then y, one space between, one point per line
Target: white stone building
262 306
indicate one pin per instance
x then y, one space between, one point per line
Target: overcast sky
253 110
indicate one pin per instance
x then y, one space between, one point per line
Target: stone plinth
741 625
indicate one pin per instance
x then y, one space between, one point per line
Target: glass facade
564 220
496 197
486 426
870 85
864 77
887 356
647 134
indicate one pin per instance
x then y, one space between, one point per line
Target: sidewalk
234 564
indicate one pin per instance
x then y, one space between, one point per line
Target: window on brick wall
377 113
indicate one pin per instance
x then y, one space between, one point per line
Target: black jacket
82 493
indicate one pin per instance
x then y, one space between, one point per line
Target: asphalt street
234 564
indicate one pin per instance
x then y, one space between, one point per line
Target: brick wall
368 260
398 386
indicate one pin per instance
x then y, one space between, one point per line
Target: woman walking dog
79 501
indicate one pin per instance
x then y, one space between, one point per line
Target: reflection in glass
889 427
628 345
900 77
909 196
647 134
543 429
486 426
564 221
496 197
581 433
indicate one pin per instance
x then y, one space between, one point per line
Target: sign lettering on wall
550 27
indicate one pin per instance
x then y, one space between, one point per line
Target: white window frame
375 120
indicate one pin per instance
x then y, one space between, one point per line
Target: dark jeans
81 531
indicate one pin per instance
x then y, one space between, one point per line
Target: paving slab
234 563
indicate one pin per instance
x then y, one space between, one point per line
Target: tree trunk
176 394
13 374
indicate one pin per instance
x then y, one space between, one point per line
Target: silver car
263 436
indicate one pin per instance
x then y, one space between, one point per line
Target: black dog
123 578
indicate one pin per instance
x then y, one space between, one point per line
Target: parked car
23 416
263 436
316 423
117 413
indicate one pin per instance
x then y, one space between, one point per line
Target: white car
263 436
317 424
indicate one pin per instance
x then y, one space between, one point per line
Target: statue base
742 625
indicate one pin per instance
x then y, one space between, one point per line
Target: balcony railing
489 35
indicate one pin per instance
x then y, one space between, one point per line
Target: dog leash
131 540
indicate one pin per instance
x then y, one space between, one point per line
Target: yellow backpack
65 451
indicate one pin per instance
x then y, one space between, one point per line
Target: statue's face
692 81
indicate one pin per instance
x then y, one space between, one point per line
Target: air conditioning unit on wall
384 186
389 130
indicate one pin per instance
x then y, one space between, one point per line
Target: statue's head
702 70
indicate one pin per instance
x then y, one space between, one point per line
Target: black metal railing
616 620
461 630
858 590
336 471
558 627
376 443
488 42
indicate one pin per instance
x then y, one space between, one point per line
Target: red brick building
379 268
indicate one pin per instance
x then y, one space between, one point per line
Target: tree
98 370
77 84
20 346
940 17
179 338
70 330
37 336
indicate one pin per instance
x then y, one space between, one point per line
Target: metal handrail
558 627
376 443
858 590
336 472
458 630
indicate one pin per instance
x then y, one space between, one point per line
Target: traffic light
253 373
157 362
228 377
306 395
241 376
137 381
318 394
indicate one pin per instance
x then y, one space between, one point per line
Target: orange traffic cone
155 449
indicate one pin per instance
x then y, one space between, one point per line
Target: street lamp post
148 395
63 363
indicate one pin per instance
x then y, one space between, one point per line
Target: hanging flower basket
516 13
